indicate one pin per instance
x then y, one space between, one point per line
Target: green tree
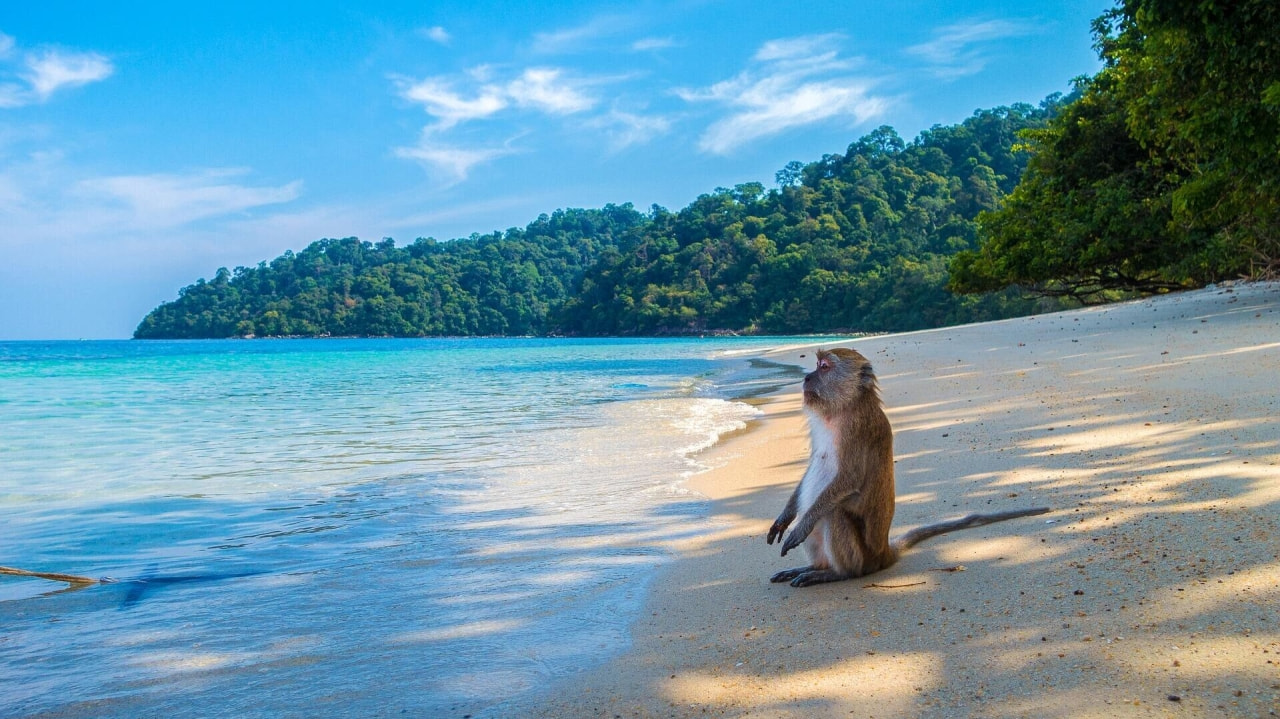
1164 171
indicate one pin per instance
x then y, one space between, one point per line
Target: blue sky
143 146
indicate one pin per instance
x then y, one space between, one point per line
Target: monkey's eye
824 364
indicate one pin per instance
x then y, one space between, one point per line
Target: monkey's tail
919 534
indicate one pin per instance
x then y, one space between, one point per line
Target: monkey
845 500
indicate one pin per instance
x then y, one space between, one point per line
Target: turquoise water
363 527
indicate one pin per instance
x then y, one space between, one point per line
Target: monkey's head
843 377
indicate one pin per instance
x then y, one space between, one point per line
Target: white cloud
454 163
771 110
439 99
172 200
653 43
487 92
792 83
517 99
542 88
43 73
53 70
806 49
545 89
115 235
952 52
88 254
482 73
625 129
12 95
42 189
436 34
575 38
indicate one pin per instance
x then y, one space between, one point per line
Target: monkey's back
866 463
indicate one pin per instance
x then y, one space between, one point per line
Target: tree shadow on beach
1153 583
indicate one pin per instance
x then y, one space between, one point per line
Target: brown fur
847 504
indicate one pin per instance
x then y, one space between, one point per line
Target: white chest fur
822 462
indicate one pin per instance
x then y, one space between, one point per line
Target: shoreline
1148 426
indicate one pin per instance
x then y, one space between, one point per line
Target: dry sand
1153 588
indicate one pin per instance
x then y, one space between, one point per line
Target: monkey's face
841 377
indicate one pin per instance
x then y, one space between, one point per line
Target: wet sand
1152 429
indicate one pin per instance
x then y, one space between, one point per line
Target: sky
145 145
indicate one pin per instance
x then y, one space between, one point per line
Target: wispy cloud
790 83
806 50
12 95
125 242
957 50
47 200
52 70
38 75
547 89
439 98
172 200
453 163
544 89
580 37
647 44
436 34
625 129
505 101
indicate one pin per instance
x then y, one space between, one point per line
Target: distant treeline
856 241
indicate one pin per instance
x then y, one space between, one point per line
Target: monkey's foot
815 576
787 575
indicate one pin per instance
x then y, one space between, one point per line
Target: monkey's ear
867 376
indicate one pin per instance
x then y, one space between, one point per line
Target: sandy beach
1152 430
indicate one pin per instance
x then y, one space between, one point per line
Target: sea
344 527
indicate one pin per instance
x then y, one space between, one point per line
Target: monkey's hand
794 540
776 531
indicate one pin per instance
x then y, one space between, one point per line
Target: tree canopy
504 283
857 241
1163 173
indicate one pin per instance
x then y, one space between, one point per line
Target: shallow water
354 526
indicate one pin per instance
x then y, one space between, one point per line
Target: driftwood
74 580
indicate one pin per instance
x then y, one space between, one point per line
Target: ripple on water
306 521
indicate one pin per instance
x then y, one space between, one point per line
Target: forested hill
500 284
858 241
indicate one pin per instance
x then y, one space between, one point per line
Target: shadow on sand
1154 584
